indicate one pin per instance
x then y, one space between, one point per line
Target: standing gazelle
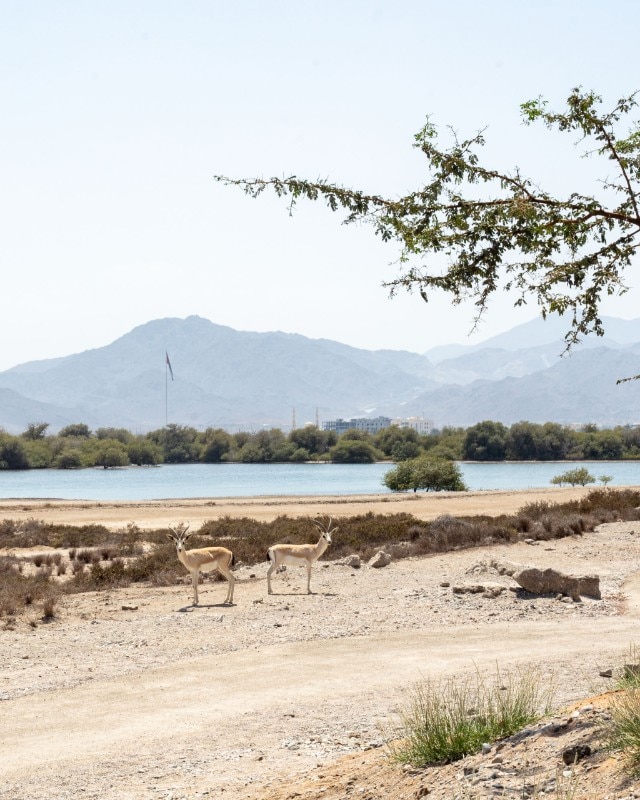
299 555
204 559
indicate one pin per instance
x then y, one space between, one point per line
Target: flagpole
167 369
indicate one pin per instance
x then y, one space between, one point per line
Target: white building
376 424
419 424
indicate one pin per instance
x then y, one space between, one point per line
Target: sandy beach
159 513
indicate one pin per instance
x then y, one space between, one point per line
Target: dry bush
18 591
77 566
100 576
33 533
448 533
49 606
160 567
87 556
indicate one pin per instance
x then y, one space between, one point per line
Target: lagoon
184 481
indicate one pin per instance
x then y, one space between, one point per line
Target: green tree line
76 446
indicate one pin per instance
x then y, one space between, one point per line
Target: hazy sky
116 115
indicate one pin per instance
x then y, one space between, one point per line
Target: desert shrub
49 604
576 477
86 556
455 533
534 511
18 591
624 733
626 502
77 566
34 533
160 567
448 720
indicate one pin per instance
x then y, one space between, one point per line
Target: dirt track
135 694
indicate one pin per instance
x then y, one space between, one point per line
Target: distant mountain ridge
238 379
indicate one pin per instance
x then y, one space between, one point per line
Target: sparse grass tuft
623 730
49 606
621 733
448 720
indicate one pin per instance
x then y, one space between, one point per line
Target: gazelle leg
269 573
308 578
194 583
229 576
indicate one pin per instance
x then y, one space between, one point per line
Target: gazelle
300 555
204 559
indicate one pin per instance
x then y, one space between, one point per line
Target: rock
589 586
555 728
468 588
606 673
574 754
493 565
381 559
352 561
550 581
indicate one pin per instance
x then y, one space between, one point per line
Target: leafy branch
471 231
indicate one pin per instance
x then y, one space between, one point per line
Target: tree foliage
575 477
485 441
473 230
424 472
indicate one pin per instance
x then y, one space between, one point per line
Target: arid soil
136 694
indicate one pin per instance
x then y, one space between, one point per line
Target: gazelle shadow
192 607
303 594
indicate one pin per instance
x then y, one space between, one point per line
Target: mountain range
242 380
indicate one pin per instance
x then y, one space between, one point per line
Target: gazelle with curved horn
299 555
204 559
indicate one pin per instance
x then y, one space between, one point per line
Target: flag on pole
169 364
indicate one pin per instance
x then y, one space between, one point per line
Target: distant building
375 424
370 425
419 424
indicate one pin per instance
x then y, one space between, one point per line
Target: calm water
242 480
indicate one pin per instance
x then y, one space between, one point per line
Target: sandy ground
135 694
158 513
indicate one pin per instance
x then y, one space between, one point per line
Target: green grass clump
623 729
621 733
448 720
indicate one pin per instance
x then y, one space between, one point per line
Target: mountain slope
538 332
578 389
243 380
222 377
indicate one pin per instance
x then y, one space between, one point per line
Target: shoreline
148 514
